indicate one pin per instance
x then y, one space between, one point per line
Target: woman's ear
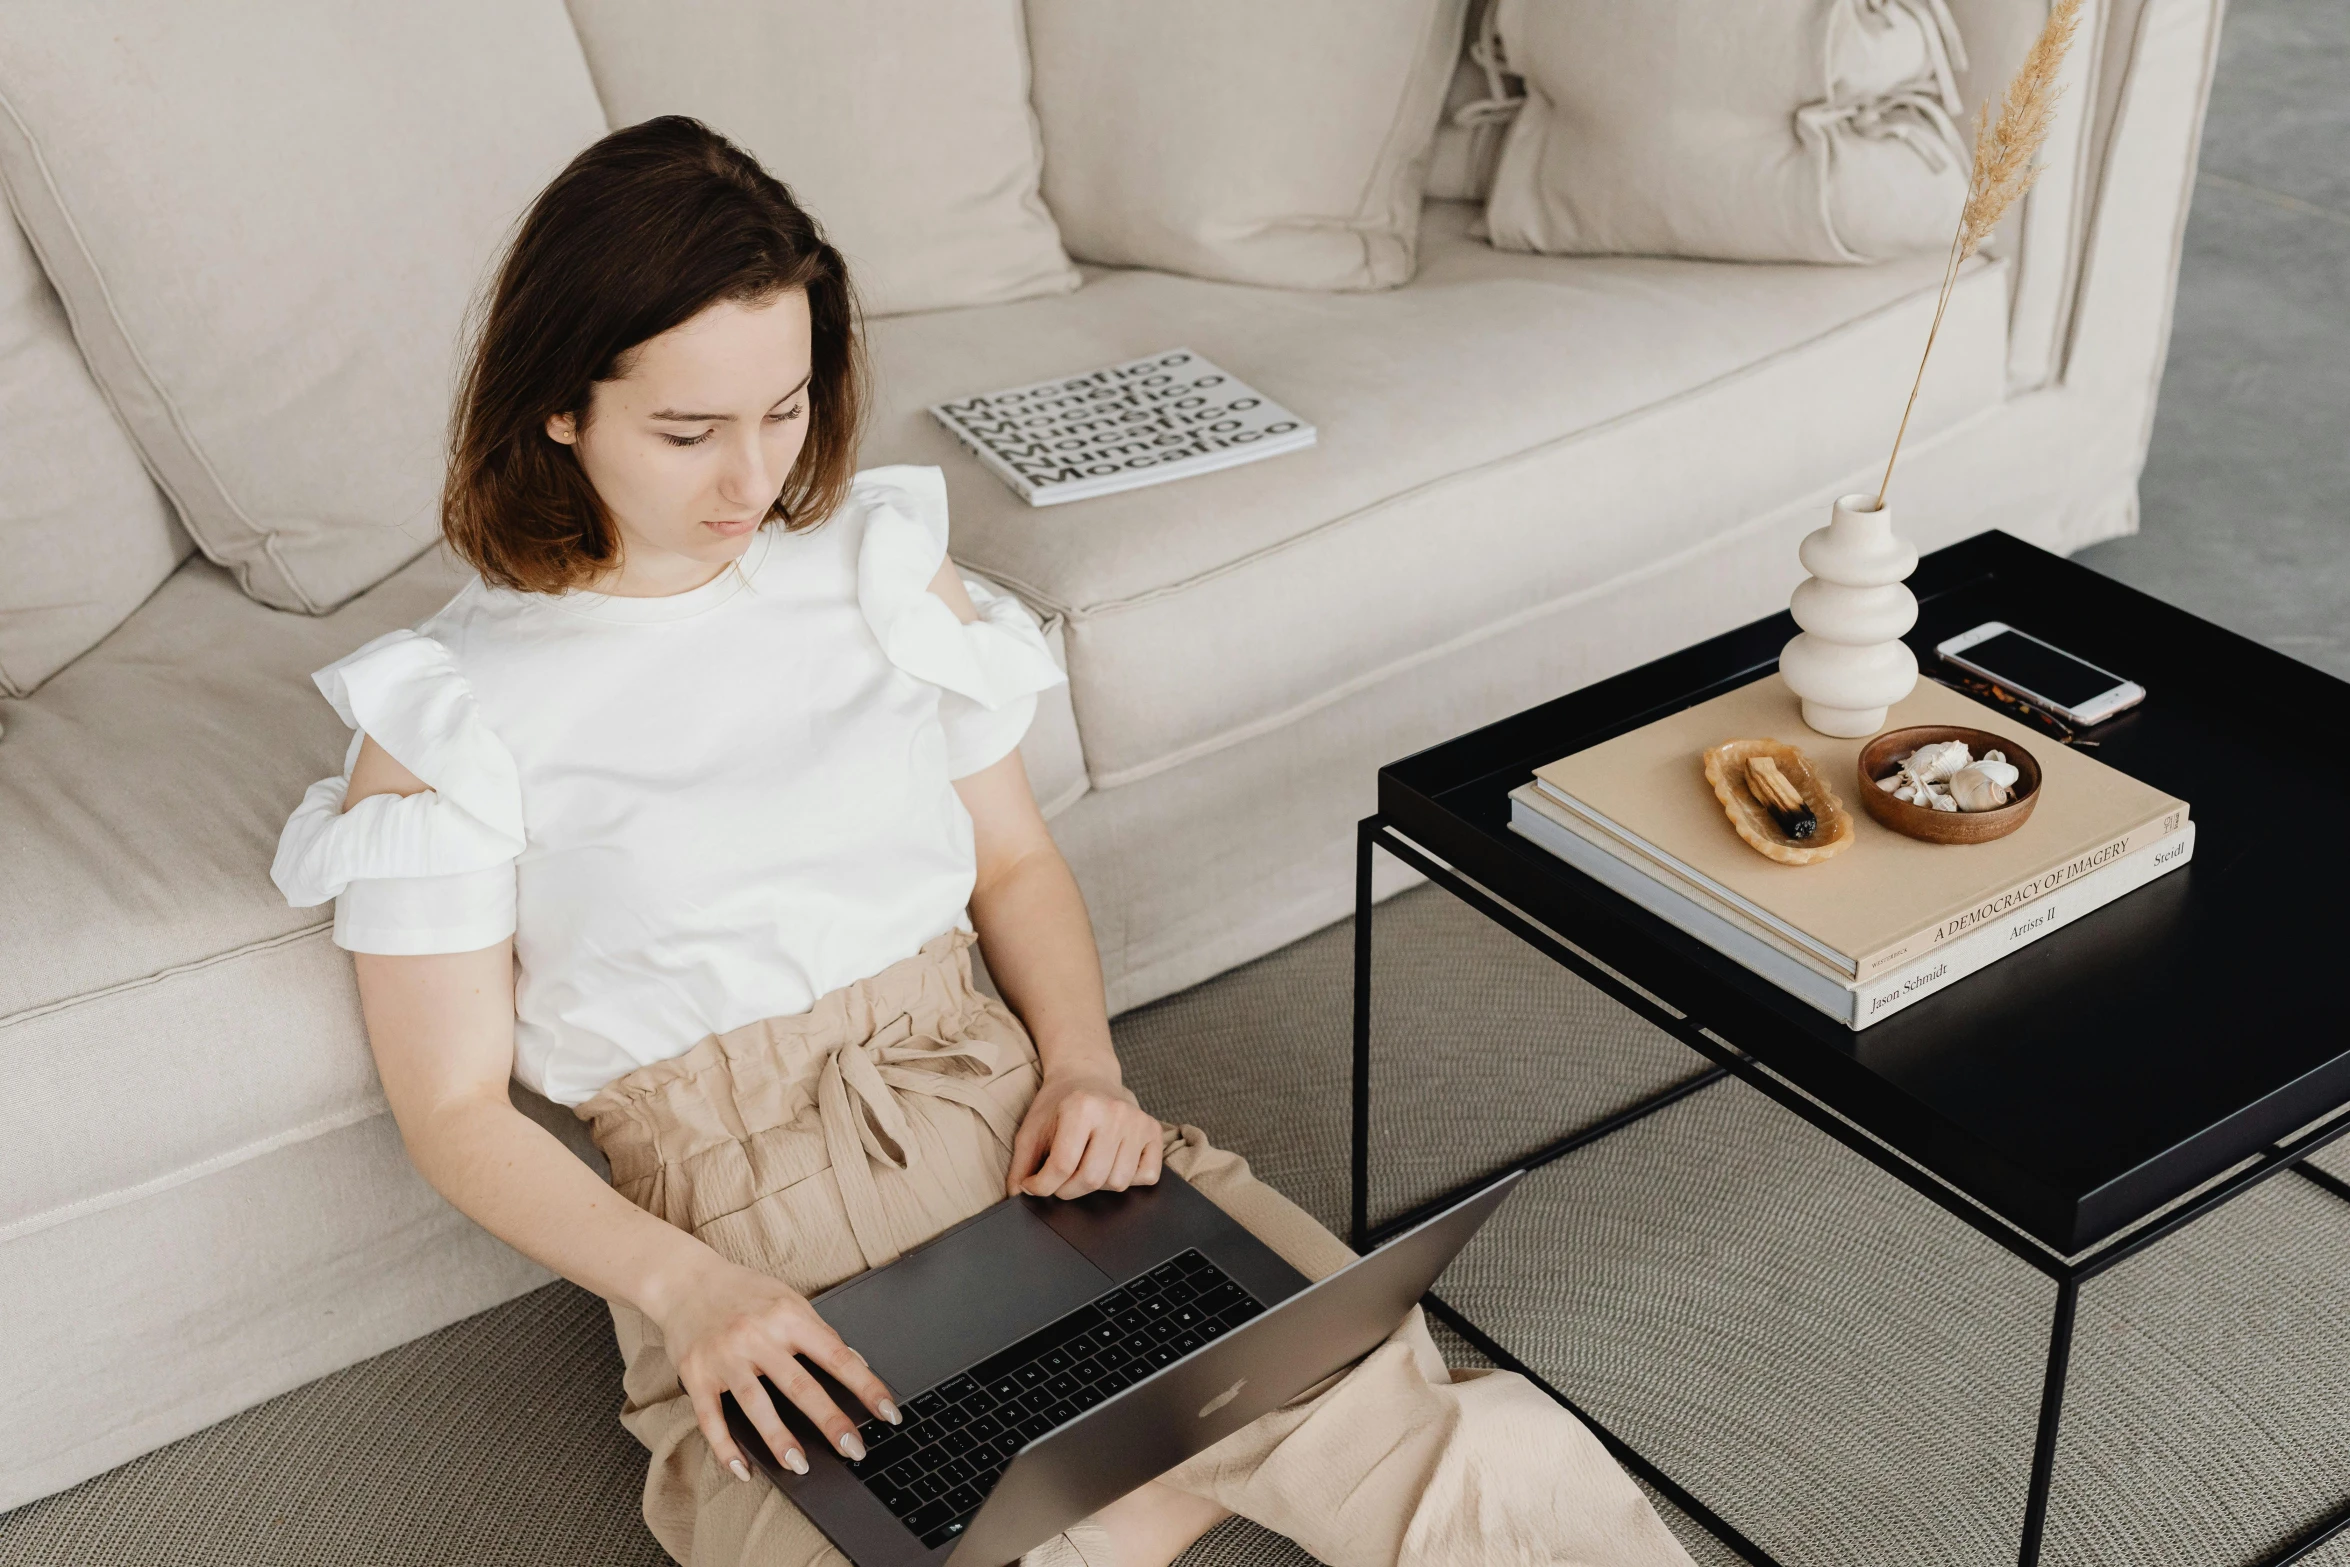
561 428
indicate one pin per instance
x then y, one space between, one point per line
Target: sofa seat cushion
1501 434
162 1011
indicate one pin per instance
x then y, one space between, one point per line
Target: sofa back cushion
1478 108
1285 144
84 534
266 225
903 125
1820 130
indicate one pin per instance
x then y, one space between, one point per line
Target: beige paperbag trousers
816 1146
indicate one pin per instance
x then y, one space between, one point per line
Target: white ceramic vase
1850 663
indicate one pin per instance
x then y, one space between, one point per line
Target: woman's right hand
729 1323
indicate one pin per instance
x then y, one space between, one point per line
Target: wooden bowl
1725 769
1926 823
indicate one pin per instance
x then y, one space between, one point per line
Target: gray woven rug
1835 1365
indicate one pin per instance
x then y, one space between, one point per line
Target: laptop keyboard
935 1469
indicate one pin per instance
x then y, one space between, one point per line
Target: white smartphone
2072 688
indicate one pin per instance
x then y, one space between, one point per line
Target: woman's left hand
1089 1132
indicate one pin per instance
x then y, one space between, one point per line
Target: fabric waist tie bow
860 1095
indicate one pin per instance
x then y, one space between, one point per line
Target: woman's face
690 448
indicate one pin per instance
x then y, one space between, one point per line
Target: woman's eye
793 412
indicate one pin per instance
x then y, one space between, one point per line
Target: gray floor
1831 1362
2245 504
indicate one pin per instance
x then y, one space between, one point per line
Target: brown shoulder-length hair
641 232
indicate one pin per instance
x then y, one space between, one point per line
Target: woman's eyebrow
671 413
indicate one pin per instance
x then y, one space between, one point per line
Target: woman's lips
730 527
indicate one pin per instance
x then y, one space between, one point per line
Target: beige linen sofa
1532 472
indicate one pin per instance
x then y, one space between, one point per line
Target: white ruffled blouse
689 812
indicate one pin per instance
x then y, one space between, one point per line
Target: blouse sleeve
427 872
988 671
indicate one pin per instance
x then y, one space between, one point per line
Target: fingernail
851 1446
889 1412
795 1460
741 1470
861 1360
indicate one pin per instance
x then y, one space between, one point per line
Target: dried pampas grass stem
2003 171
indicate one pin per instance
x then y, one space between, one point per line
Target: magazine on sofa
1163 416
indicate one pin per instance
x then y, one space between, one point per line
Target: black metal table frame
2068 1272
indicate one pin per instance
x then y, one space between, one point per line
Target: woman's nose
745 482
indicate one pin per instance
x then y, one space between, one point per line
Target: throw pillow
1815 130
266 224
1478 108
84 534
903 125
1283 145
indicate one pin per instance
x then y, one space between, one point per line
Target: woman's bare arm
1032 923
442 1029
1085 1128
444 1053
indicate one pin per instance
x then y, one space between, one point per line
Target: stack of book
1888 921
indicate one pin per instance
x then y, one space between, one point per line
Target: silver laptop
1063 1353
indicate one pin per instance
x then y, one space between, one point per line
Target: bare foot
1154 1525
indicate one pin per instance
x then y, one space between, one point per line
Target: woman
675 816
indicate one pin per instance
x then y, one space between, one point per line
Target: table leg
1371 831
2060 1350
2324 1180
1366 834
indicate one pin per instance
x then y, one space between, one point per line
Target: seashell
1998 769
1973 790
1984 786
1890 782
1937 761
1943 802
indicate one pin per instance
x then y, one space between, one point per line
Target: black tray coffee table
2078 1101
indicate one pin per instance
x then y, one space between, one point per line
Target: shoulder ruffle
995 660
407 693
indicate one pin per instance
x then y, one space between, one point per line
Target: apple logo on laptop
1221 1399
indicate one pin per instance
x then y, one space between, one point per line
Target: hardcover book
1164 416
1886 900
1854 1003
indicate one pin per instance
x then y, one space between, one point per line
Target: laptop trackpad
983 1285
